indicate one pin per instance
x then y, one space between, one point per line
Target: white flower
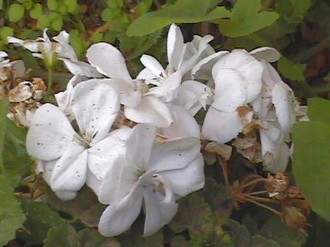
69 156
50 51
153 175
140 104
181 56
238 81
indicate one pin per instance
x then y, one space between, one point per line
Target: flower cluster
156 159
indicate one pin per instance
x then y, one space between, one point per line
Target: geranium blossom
141 105
67 155
50 51
237 77
152 174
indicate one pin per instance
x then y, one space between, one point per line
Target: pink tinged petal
188 179
269 54
175 46
108 61
203 68
230 90
95 107
160 206
283 102
153 65
193 95
221 126
252 73
184 124
120 215
168 89
50 133
69 172
174 154
150 110
80 68
139 146
103 154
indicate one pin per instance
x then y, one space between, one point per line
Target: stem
223 165
260 204
305 55
260 199
253 182
257 193
50 79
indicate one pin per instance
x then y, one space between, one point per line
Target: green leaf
246 18
5 32
241 235
36 11
43 21
278 231
40 218
63 235
318 110
11 216
84 207
1 4
260 241
15 12
57 24
16 160
71 5
183 11
310 166
92 238
52 4
291 70
4 103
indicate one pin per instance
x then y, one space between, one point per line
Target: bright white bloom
151 174
68 156
181 56
238 81
141 104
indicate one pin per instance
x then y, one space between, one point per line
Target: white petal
184 124
139 146
118 181
148 77
230 90
69 172
150 110
159 208
104 153
108 61
28 44
80 68
233 60
252 73
168 89
191 56
188 179
283 102
95 107
119 216
203 68
174 46
269 54
174 154
153 65
50 133
221 126
193 95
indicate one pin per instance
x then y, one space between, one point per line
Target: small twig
260 204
